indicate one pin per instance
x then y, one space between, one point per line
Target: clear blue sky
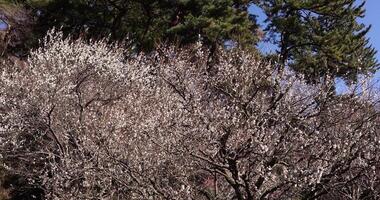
372 18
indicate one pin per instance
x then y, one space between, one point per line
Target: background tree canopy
151 22
315 37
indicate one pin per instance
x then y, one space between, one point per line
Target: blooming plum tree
87 120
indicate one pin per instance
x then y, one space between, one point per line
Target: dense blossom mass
89 120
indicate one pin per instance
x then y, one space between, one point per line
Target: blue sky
372 18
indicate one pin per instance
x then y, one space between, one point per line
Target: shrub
90 121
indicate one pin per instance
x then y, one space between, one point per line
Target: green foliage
214 20
320 37
315 37
151 22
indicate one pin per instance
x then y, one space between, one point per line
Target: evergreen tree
315 37
149 22
320 37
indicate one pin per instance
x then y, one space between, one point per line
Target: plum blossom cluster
88 120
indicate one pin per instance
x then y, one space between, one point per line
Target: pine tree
150 22
321 37
315 37
216 21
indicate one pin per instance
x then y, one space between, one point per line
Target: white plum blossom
90 120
